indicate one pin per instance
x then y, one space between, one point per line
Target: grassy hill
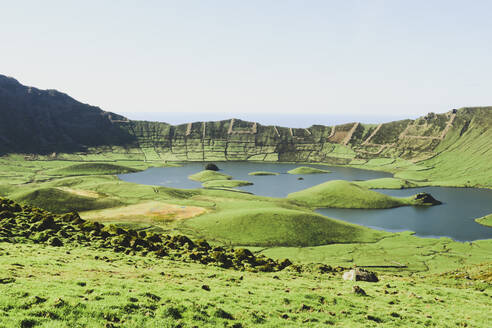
486 220
59 200
92 168
344 194
270 226
260 173
208 175
307 170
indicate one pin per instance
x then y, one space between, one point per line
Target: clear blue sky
394 58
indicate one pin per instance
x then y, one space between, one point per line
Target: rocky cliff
415 140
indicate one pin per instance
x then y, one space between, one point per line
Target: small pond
454 218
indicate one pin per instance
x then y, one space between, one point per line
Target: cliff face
234 139
41 122
45 121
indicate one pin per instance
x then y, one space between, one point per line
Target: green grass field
44 286
104 276
423 282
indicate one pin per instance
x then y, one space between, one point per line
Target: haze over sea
287 120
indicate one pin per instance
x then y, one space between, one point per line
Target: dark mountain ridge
46 121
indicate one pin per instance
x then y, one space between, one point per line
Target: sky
177 61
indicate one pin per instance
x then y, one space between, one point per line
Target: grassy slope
463 158
260 224
97 288
307 170
387 183
486 220
180 289
419 255
60 201
344 194
92 168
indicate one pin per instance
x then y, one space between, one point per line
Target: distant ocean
287 120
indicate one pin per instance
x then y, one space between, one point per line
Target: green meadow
107 283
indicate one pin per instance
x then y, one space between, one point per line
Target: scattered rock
59 303
305 307
424 198
173 312
373 318
55 241
153 297
359 274
359 291
219 313
211 167
206 287
4 281
28 323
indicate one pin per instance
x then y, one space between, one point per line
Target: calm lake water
454 218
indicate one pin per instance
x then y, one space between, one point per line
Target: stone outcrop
359 274
424 198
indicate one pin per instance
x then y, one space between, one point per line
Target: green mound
387 183
21 223
226 183
93 168
208 175
307 170
486 220
344 194
263 173
60 201
279 227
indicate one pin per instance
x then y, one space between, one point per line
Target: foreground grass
400 253
44 286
